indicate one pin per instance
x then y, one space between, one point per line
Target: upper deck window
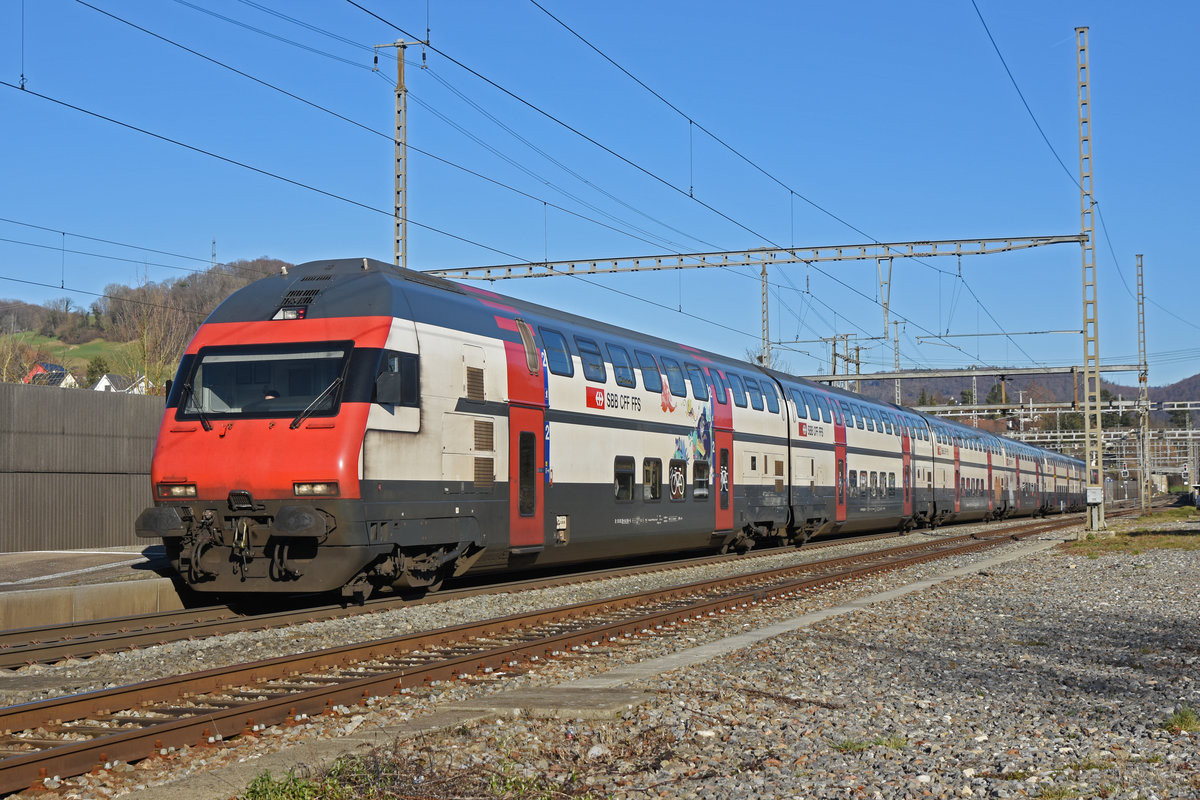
651 377
622 366
755 393
719 390
738 388
801 409
674 377
558 354
699 382
771 395
593 362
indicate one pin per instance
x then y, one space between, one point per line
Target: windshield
265 380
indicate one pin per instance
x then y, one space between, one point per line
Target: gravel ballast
1047 676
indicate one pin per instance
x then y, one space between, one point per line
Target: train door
991 497
528 441
957 482
1039 497
1016 483
839 455
527 470
723 433
906 470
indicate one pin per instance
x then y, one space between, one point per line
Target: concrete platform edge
25 608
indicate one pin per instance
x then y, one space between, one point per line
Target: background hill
143 330
129 330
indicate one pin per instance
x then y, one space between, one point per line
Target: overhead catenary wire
540 111
259 170
390 136
102 241
692 122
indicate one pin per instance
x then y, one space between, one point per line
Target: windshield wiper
308 409
187 398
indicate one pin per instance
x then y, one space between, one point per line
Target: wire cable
258 170
414 148
103 241
692 122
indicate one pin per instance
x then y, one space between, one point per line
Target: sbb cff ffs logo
595 398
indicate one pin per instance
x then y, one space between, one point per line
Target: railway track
70 735
51 644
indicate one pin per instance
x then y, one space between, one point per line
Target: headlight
310 489
173 490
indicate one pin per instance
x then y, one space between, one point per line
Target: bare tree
16 358
156 329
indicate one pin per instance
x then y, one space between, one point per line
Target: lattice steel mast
1093 430
1143 395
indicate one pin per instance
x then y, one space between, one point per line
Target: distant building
46 374
42 367
111 382
60 378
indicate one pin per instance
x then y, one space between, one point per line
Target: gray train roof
351 287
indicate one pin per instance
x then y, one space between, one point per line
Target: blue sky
870 121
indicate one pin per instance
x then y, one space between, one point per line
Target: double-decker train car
348 425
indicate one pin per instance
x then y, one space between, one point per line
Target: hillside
138 330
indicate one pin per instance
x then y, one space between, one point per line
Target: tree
157 332
96 368
17 357
967 397
1178 417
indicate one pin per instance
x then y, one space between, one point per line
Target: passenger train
347 425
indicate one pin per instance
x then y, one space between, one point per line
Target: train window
274 380
854 413
874 484
674 377
864 415
891 484
738 389
699 382
719 391
678 469
592 360
755 393
852 491
723 476
828 412
651 377
622 366
405 367
801 409
772 396
623 479
814 408
558 355
526 473
700 479
862 482
651 479
532 359
832 408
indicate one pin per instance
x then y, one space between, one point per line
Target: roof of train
351 287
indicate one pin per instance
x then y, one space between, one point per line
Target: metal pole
896 358
1092 422
1143 395
766 328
